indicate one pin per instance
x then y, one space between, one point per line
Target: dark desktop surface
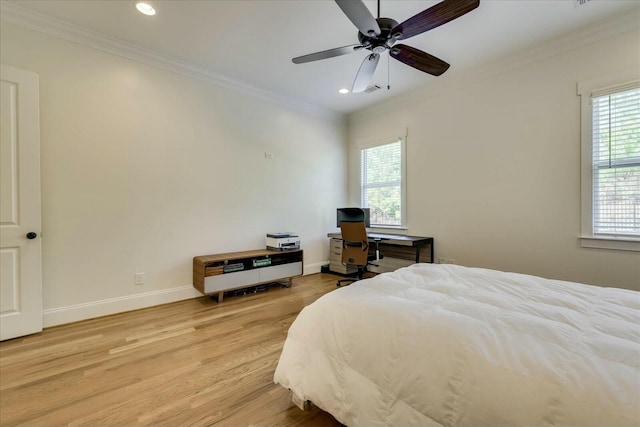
397 238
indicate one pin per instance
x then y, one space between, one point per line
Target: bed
446 345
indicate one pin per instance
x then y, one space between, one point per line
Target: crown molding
18 15
581 37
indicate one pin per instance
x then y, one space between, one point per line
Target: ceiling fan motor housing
384 40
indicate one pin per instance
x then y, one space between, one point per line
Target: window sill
385 228
615 243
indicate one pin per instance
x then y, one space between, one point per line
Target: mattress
446 345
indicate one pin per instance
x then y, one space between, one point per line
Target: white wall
494 165
143 169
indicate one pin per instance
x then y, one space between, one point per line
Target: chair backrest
355 245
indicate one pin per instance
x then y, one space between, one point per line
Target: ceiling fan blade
365 73
418 59
358 13
441 13
327 54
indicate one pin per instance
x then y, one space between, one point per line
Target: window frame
618 81
403 178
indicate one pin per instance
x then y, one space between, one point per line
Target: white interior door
20 247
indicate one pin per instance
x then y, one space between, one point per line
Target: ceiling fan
380 34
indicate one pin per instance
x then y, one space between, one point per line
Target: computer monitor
352 215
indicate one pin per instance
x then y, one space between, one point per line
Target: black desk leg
418 253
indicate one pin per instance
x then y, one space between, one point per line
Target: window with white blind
382 183
611 164
616 162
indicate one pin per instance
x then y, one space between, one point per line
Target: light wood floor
193 362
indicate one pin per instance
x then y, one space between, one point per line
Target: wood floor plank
193 362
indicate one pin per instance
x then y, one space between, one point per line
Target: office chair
355 244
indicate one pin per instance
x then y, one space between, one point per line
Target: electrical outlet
268 155
442 260
139 278
451 261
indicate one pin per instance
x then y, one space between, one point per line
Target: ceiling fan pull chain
388 72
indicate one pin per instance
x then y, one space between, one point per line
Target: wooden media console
215 274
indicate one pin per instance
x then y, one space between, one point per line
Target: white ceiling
251 42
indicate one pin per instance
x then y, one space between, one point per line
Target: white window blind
381 169
616 162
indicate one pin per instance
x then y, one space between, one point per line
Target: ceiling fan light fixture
145 8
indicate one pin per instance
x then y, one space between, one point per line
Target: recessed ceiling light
344 90
145 8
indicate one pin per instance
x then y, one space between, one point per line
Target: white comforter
445 345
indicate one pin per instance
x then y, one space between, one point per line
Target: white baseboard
90 310
75 313
313 268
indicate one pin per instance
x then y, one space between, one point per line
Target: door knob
31 235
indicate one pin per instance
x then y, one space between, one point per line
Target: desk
398 246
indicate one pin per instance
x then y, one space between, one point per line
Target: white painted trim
89 310
619 244
452 80
106 307
313 268
14 14
585 89
362 145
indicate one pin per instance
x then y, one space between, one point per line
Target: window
611 163
382 183
616 163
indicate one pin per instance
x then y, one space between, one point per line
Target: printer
283 241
